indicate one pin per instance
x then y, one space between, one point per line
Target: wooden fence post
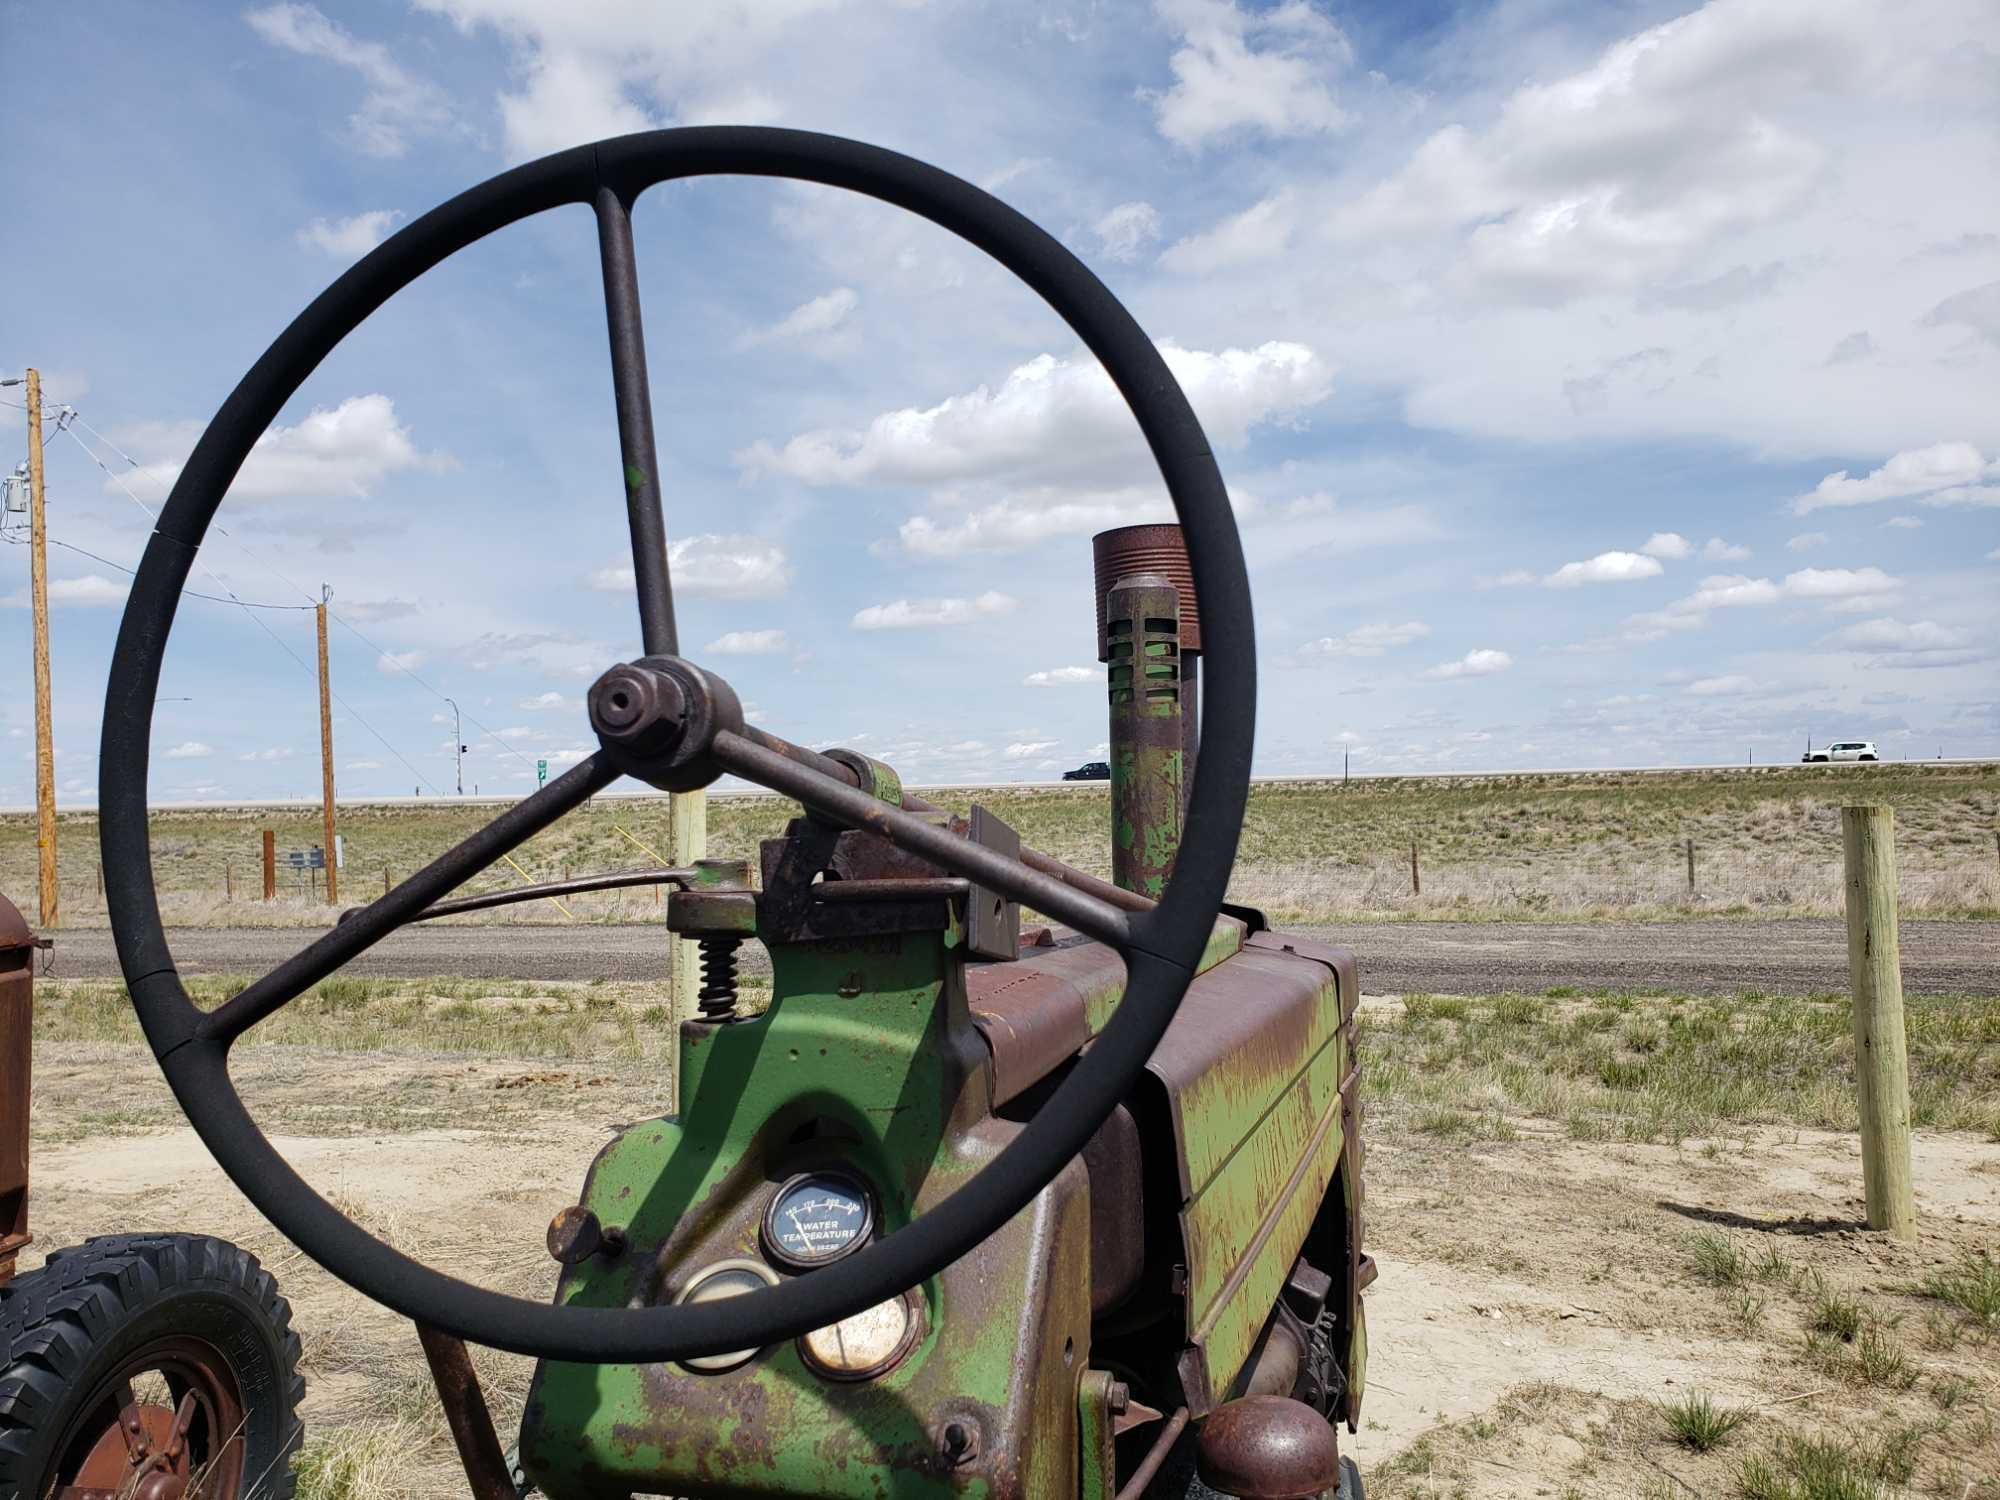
1416 876
1690 845
228 882
270 865
1881 1054
385 880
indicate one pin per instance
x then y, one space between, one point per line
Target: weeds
1717 1260
1973 1287
1696 1422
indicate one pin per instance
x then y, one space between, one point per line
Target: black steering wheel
671 723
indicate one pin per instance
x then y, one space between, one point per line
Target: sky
1596 384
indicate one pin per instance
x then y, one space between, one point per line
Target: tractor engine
1186 1293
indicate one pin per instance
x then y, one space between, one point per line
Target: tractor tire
187 1336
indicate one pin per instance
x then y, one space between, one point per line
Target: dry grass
1502 847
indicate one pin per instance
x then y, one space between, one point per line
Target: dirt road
1800 956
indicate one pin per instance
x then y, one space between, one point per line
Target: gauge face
726 1278
816 1217
865 1345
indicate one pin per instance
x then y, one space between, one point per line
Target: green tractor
968 1208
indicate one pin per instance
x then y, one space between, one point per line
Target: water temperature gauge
818 1217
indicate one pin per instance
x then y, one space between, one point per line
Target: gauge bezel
731 1359
853 1182
913 1333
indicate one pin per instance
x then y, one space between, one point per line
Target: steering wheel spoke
858 809
364 928
639 461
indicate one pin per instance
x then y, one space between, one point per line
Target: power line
153 516
134 572
345 624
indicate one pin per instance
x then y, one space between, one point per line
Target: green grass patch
1696 1422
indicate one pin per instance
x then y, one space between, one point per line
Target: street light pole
458 746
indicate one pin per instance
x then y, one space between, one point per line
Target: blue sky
1597 384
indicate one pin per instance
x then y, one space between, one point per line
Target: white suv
1844 750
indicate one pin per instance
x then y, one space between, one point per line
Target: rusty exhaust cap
1145 549
1268 1448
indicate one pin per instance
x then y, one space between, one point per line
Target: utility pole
458 746
326 747
38 585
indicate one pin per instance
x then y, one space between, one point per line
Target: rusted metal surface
126 1448
992 918
575 1235
1142 682
17 1015
1251 1089
1159 549
1268 1448
1156 1455
466 1414
1115 1162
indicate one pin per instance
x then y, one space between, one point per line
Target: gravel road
1697 957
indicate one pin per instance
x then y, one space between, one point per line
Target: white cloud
1668 544
1025 748
1942 474
1606 567
749 643
1063 677
397 103
1125 230
1258 233
1903 523
190 750
1512 579
1481 663
352 237
1717 550
335 453
1838 588
1885 634
395 663
1029 517
1838 583
542 702
1731 685
809 320
91 591
594 68
713 567
912 614
1239 72
1051 416
282 752
1805 541
1856 346
1366 640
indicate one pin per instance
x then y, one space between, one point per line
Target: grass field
1510 848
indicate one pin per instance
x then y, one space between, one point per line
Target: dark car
1094 770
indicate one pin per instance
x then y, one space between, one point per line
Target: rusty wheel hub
181 1440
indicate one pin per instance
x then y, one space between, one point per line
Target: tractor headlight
870 1343
726 1278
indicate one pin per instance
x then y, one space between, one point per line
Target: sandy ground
1697 956
1535 1298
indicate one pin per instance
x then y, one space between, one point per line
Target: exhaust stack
1149 636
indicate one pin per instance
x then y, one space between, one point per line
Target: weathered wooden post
1881 1054
1690 849
270 865
1416 875
228 881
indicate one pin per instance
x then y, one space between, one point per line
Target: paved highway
1712 956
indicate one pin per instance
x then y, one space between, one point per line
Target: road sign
541 772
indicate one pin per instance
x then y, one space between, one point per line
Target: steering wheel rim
1161 947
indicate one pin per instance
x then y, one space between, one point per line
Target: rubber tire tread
60 1329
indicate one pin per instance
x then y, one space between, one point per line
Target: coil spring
717 996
